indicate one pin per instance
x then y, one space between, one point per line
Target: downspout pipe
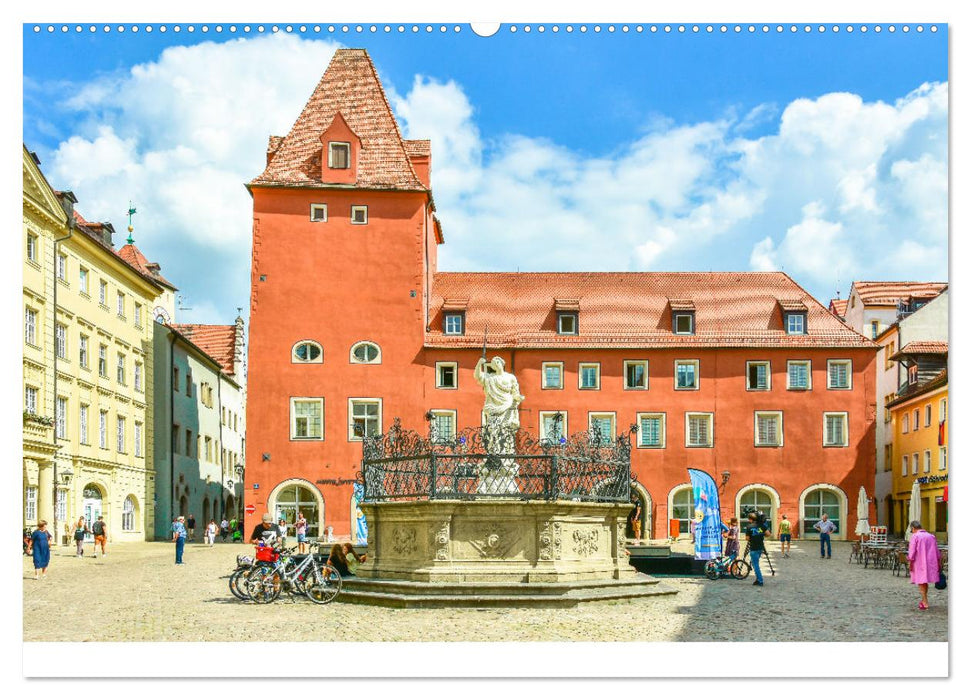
222 446
172 339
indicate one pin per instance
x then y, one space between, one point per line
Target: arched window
128 514
758 499
817 502
299 497
365 353
308 352
682 509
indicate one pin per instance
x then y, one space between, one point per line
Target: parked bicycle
727 566
279 570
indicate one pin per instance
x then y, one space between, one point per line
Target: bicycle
244 565
321 584
726 566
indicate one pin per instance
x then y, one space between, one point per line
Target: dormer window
684 323
796 323
339 155
566 322
912 374
454 323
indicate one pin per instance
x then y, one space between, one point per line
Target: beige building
87 372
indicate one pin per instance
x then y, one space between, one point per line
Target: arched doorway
889 511
230 511
205 513
817 500
759 497
640 496
298 496
91 505
681 508
183 505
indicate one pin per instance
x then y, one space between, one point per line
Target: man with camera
755 534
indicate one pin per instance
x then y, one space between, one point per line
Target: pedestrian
224 529
338 560
635 522
211 533
80 530
924 559
266 531
301 529
731 539
283 532
755 534
178 536
100 531
190 525
785 536
825 527
353 558
40 549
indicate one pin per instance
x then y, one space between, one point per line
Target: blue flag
707 515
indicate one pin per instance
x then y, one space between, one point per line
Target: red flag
940 434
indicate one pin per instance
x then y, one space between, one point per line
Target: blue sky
824 154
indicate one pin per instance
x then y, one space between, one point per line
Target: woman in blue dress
40 548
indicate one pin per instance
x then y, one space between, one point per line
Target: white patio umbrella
914 512
863 514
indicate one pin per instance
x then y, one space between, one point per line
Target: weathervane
131 227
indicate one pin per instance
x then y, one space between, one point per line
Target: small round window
307 351
366 353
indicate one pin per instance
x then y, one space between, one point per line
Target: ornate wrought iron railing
477 463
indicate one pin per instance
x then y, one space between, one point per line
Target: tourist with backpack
80 530
100 532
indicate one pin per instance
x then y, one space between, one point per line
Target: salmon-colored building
742 374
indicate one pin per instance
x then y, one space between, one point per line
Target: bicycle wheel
237 581
740 569
711 570
323 585
263 584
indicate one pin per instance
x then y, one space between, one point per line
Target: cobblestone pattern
138 594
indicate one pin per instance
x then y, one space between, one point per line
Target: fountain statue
500 415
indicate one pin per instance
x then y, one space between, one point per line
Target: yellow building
88 327
919 448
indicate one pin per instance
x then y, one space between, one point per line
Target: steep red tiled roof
889 293
134 257
93 230
350 86
632 309
923 347
838 306
219 342
421 148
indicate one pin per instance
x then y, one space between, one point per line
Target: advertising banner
707 515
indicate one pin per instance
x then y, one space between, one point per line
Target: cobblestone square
138 594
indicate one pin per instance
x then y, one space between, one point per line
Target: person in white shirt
825 527
211 533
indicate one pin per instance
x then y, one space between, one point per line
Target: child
731 539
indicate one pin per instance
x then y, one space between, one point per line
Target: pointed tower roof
134 257
350 87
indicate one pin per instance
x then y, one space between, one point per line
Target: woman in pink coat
924 560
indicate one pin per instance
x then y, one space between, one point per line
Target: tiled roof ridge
216 341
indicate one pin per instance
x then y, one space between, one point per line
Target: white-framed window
121 304
904 465
942 410
60 340
684 323
338 155
839 374
942 458
799 375
103 360
306 418
916 419
307 352
446 375
768 429
207 442
120 374
443 424
589 375
189 444
365 353
635 374
61 417
365 418
453 323
913 374
83 280
188 383
905 422
103 293
128 514
318 213
686 375
30 504
914 463
359 214
62 267
651 430
30 326
103 429
30 399
83 424
835 430
137 437
553 426
758 376
927 461
32 247
83 351
120 434
683 509
60 505
874 329
138 376
796 323
602 425
699 429
552 375
927 416
138 315
566 322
